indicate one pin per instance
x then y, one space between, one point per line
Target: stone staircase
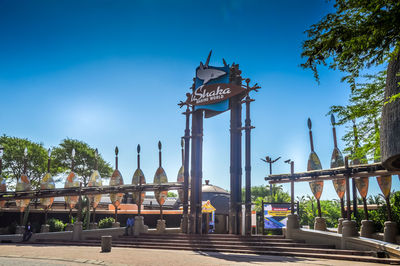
260 245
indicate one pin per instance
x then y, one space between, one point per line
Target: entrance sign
216 90
275 215
214 93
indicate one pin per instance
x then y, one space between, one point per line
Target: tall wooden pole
248 129
292 188
346 164
235 211
186 172
140 180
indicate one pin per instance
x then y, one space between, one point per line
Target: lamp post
270 162
3 186
1 158
289 161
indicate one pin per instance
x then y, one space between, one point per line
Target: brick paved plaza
22 255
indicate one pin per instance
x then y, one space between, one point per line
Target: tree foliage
13 160
263 193
84 160
358 35
365 107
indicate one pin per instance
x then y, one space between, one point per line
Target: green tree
13 160
263 193
365 107
84 159
172 194
360 34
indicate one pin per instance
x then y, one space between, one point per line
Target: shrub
56 225
106 222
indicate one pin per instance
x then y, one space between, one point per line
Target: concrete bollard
106 242
349 228
340 225
139 227
292 224
390 232
45 228
93 226
69 227
20 229
367 228
320 224
77 231
161 226
116 224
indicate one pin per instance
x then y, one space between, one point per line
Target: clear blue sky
112 72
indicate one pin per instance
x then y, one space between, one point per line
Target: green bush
56 225
106 222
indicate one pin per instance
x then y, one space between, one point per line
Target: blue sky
112 72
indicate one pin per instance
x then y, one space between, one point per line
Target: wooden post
262 216
346 164
292 188
193 185
365 209
236 167
248 128
186 173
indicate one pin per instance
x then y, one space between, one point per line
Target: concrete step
228 246
287 243
227 240
349 255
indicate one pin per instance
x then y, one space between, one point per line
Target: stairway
261 245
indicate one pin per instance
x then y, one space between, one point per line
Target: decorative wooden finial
73 159
96 155
159 152
309 124
25 158
116 157
333 122
48 160
138 156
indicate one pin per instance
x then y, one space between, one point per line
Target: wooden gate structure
216 90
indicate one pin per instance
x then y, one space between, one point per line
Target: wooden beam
58 192
365 170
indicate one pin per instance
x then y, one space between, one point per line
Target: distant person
129 226
28 232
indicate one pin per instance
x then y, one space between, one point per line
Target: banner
275 215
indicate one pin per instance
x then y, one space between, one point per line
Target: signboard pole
196 171
292 187
346 164
193 186
185 228
248 128
262 216
235 211
199 168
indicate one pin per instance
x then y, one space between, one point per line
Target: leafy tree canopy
263 193
13 160
172 194
84 160
365 108
361 33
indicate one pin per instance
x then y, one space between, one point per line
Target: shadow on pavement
250 258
